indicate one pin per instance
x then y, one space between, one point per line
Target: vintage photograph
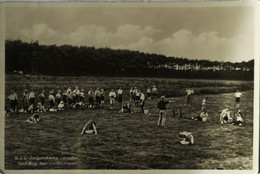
129 86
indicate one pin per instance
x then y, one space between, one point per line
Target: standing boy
162 110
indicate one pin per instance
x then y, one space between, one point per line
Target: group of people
76 98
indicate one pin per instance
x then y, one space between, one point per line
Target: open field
132 141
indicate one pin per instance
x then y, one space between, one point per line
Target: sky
212 33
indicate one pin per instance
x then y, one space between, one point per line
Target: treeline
32 58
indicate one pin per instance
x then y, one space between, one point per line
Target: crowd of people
77 98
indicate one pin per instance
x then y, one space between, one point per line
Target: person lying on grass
186 138
225 116
203 116
89 128
126 107
238 118
35 118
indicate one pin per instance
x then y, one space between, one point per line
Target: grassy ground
131 141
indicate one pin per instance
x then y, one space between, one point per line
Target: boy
42 97
238 118
154 91
162 111
148 93
120 95
33 119
186 138
89 128
142 100
237 98
32 98
102 97
112 96
25 101
13 101
131 93
97 96
51 100
126 107
225 116
189 92
91 98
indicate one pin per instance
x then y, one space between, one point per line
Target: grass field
131 141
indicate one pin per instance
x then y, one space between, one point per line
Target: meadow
131 141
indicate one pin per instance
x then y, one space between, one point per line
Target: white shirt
189 92
225 112
238 94
142 97
31 95
120 91
154 90
112 94
51 97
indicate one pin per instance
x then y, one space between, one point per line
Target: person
102 98
239 120
189 92
162 111
237 98
186 138
203 116
131 93
126 107
13 98
58 97
142 101
61 106
69 97
40 107
65 97
112 96
89 128
75 95
25 101
154 91
97 97
51 100
120 95
82 96
42 97
32 98
137 97
148 93
204 102
91 98
35 118
225 116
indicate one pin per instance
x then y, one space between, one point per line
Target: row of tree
33 58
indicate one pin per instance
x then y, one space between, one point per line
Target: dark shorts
32 101
120 98
64 98
137 97
13 103
237 99
90 99
148 94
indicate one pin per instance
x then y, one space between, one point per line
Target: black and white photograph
130 86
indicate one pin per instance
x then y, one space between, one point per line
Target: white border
134 4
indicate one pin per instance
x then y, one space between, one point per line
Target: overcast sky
214 33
